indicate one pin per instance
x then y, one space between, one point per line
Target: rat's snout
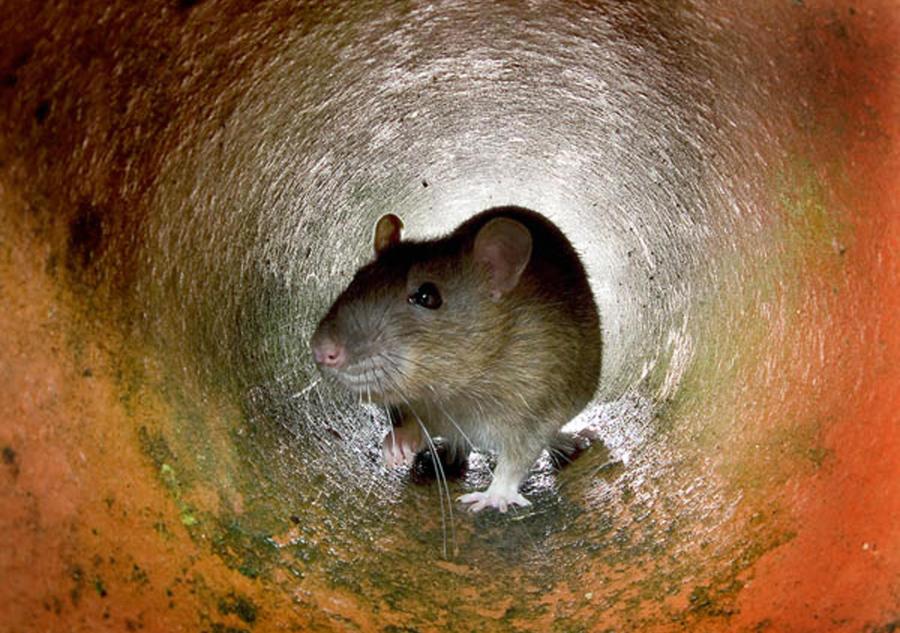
329 352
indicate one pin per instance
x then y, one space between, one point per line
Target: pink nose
329 353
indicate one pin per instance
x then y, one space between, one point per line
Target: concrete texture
185 186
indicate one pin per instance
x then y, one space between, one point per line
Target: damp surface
184 190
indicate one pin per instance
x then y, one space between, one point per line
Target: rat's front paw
400 446
493 499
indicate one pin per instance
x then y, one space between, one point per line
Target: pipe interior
675 145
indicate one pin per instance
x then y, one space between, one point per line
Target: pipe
185 188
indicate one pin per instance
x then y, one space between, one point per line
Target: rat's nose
329 352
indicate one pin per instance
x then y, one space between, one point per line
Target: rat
488 338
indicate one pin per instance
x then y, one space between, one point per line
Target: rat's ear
504 247
387 232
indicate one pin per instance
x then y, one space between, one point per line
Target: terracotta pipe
185 187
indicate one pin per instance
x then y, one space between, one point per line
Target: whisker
443 485
386 371
557 454
368 492
458 428
387 413
442 481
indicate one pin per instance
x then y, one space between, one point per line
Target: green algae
239 605
802 194
155 446
100 587
187 514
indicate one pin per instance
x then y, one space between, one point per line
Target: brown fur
506 374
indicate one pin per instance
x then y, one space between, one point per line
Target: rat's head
416 322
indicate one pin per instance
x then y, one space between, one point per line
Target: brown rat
488 337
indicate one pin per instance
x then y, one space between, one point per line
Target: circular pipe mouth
193 193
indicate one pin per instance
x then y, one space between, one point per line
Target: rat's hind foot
493 499
400 445
567 446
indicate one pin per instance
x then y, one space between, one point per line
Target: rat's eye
427 296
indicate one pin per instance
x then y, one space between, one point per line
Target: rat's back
553 327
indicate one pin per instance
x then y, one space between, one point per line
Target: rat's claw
585 438
399 449
501 501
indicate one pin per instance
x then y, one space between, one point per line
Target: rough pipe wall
185 187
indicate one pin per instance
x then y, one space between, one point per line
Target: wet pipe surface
181 189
